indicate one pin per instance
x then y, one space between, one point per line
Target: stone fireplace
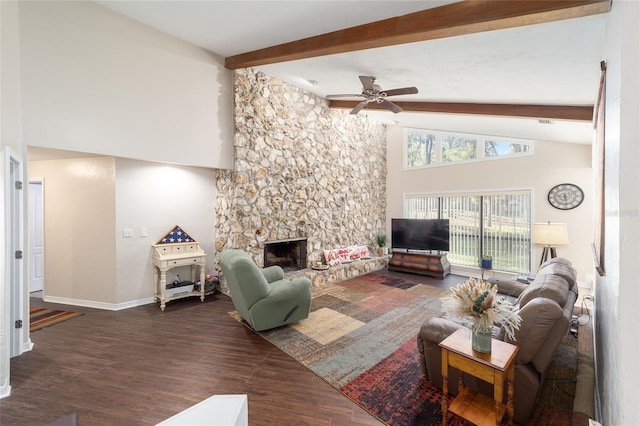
301 169
290 255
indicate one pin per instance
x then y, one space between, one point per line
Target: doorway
36 237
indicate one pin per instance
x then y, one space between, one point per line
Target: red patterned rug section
41 317
397 381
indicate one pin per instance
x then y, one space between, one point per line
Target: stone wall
301 170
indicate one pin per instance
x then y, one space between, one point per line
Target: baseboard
5 390
99 305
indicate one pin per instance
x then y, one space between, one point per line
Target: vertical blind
495 224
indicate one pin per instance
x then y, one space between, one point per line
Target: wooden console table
493 368
174 255
433 265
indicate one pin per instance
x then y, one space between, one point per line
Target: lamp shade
550 234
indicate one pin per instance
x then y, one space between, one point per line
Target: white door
36 237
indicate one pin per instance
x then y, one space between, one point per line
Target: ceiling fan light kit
372 92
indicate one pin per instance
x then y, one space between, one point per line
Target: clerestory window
425 148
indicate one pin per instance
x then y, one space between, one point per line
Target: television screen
420 234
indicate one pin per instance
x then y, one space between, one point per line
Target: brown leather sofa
546 307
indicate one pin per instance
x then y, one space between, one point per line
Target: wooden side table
493 368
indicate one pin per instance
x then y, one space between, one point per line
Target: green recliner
263 297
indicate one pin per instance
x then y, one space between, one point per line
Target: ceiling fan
372 92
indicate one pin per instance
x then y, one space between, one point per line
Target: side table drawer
472 367
181 262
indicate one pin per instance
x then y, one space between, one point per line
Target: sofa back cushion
552 287
561 269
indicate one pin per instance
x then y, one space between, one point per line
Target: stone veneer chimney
301 170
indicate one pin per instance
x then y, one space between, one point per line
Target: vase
481 340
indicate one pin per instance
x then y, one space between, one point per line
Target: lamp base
547 252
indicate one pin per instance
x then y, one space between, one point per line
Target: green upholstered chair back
246 282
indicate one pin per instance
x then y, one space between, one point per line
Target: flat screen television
420 234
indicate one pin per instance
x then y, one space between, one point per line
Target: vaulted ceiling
526 69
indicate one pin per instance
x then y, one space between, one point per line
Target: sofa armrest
273 273
510 287
432 332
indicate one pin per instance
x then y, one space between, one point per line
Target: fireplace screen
290 255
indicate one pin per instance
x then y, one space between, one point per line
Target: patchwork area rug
361 338
41 317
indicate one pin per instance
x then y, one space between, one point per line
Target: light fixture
550 235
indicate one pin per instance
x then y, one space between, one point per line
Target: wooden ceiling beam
550 112
465 17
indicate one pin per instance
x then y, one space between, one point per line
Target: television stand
431 264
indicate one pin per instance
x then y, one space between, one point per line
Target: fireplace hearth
290 255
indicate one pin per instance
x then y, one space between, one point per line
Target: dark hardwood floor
140 366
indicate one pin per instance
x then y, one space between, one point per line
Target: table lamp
549 235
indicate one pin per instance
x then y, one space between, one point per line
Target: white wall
95 81
553 163
158 197
618 292
87 204
79 218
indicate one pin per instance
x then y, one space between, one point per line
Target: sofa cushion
556 260
552 287
558 268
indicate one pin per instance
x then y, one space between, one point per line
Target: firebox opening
290 255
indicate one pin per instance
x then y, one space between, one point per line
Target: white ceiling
553 64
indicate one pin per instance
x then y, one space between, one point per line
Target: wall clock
565 196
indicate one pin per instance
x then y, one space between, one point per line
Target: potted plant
381 241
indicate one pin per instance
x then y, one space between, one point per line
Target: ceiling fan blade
359 107
403 91
367 82
345 95
390 106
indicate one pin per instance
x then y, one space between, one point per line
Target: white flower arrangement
478 299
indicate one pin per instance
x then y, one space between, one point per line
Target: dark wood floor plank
140 366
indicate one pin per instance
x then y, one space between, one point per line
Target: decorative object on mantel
549 235
381 241
346 254
476 300
178 249
318 266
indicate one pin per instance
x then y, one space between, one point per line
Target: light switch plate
144 232
127 233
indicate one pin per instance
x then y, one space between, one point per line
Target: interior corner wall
95 81
301 170
617 292
79 219
11 137
552 163
158 197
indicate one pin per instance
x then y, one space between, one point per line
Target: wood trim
599 193
551 112
466 17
